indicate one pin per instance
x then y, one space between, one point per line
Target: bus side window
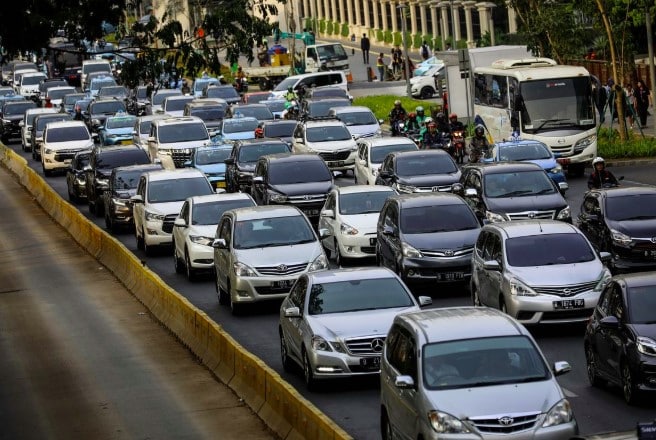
498 91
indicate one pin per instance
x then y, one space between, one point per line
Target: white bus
540 100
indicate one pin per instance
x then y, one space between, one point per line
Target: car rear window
548 249
285 173
631 207
17 108
438 218
182 133
209 213
65 134
279 130
518 184
252 153
379 153
114 159
357 295
41 122
424 165
176 190
109 107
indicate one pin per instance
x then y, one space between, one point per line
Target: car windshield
631 207
113 91
144 127
17 108
176 190
59 93
379 153
358 118
72 98
439 218
222 92
67 134
286 84
482 362
239 126
97 84
272 232
159 97
641 302
96 67
31 80
257 97
111 160
120 122
126 180
201 83
210 156
328 133
182 133
286 173
208 114
176 105
548 249
517 184
252 153
141 93
363 202
333 92
41 122
279 130
107 108
209 213
357 295
520 152
4 91
322 108
260 113
29 117
425 164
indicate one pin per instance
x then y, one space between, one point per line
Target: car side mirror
180 222
609 322
323 233
187 164
292 312
151 138
605 257
328 213
404 382
491 265
389 230
219 243
561 367
229 161
471 192
137 198
425 301
21 124
259 180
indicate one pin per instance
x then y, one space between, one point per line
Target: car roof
623 191
253 105
177 120
289 157
265 211
40 110
503 167
179 98
519 143
388 140
209 102
354 189
259 141
324 122
415 200
182 173
523 228
420 153
350 274
145 167
637 279
352 109
226 146
226 197
239 119
151 118
64 124
280 122
457 323
118 149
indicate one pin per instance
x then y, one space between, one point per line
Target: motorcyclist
412 124
443 125
291 110
78 113
455 124
396 115
432 136
290 95
259 132
185 87
479 144
601 177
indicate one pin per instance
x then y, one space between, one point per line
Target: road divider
281 407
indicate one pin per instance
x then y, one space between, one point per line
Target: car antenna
540 226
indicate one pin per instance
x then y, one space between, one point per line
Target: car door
478 274
612 347
360 170
180 232
258 189
295 328
222 256
330 222
386 167
473 181
390 248
495 277
598 337
590 219
138 208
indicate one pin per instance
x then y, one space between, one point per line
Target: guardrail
279 405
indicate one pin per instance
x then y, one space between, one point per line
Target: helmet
479 130
412 115
397 102
290 89
440 117
432 124
288 105
428 120
419 110
597 160
453 116
259 132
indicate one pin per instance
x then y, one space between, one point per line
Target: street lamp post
402 7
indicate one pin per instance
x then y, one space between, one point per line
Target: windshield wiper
529 379
544 191
639 217
549 121
520 192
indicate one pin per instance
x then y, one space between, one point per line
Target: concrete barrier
281 407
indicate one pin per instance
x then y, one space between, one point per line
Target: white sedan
372 152
348 220
195 227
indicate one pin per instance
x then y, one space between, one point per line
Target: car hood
463 403
70 145
214 168
273 256
365 223
363 130
203 230
526 203
560 274
165 208
634 228
442 240
647 330
545 164
348 144
430 179
294 189
183 145
356 324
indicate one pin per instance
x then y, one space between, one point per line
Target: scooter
458 145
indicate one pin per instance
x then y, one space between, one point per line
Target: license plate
370 363
450 276
337 163
312 212
282 284
372 242
650 254
221 184
568 304
126 141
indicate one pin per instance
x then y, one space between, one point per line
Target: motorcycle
241 85
458 145
397 126
416 137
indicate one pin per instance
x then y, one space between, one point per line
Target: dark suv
513 191
101 163
301 180
419 171
242 160
76 177
98 111
10 117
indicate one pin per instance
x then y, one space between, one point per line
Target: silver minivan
469 373
260 251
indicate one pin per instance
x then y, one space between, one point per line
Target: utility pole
402 7
650 49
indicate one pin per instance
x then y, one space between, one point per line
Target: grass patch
382 104
609 145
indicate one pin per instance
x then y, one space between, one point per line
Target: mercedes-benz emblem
653 239
506 421
282 268
531 214
567 292
435 188
448 253
377 345
306 197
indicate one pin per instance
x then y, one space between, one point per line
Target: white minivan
89 66
310 80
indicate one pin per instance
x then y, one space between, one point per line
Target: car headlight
199 239
243 270
319 263
444 423
620 238
517 288
278 198
556 170
564 213
165 152
646 346
558 414
584 143
346 229
410 252
320 344
493 217
405 188
81 180
102 182
48 151
6 121
151 216
120 202
603 280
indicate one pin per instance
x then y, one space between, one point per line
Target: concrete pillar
306 12
394 16
342 11
333 10
512 18
423 6
444 9
455 17
349 9
413 17
435 21
469 5
383 14
367 20
483 17
377 8
326 10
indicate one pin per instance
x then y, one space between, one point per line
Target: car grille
63 155
335 155
365 346
180 157
281 269
308 198
565 291
563 150
167 226
448 253
506 424
440 188
530 215
434 272
641 251
368 249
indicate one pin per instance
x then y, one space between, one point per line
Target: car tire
5 139
476 300
189 270
140 239
148 250
177 265
591 367
235 308
287 363
385 426
222 294
46 172
502 305
308 374
629 389
426 92
339 260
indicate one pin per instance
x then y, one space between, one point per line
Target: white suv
330 139
160 195
61 140
176 138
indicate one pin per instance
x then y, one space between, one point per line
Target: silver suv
469 374
260 252
537 271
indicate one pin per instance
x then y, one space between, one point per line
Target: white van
89 66
310 80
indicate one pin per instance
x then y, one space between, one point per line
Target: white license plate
568 304
337 163
370 363
282 284
450 276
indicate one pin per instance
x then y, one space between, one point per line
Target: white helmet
428 120
597 160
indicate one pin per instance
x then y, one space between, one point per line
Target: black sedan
419 171
620 340
622 221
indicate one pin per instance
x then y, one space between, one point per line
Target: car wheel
427 92
190 271
223 296
308 374
338 255
629 389
287 363
149 250
140 239
5 140
591 367
385 426
476 300
176 260
235 307
502 305
46 172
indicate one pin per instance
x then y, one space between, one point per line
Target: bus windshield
555 104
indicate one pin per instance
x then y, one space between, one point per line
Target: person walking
365 44
630 108
643 101
380 64
425 50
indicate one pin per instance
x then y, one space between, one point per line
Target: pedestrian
397 59
629 108
643 100
380 64
425 50
365 45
